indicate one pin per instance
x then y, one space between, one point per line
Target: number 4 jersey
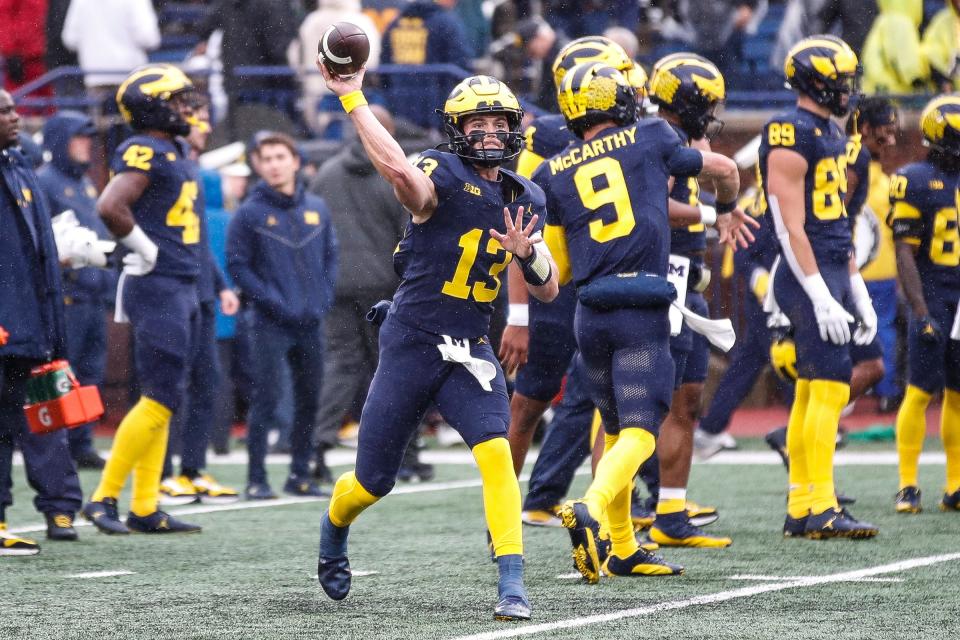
450 266
166 211
823 145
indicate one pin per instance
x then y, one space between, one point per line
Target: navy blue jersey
167 210
923 212
858 162
450 266
690 240
607 198
824 146
548 135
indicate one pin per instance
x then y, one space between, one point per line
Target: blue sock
511 575
333 539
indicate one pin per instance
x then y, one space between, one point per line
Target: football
344 49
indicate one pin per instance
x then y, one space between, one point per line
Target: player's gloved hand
929 329
144 256
833 320
866 329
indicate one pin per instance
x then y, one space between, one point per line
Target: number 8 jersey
450 267
823 145
166 211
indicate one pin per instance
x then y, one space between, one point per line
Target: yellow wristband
352 100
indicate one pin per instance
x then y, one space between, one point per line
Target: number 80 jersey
450 266
167 210
823 145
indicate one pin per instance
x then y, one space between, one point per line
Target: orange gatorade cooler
56 400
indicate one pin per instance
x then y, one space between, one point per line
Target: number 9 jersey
166 210
450 266
823 145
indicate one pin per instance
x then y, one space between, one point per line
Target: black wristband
726 207
536 268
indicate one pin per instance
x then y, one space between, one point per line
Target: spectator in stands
282 253
255 33
528 61
854 18
304 56
893 62
717 28
110 35
476 25
87 291
941 46
22 40
31 333
582 18
369 223
425 32
57 54
626 39
799 21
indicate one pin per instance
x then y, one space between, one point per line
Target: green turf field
250 574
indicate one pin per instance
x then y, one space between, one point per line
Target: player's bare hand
514 347
734 229
517 240
229 302
336 84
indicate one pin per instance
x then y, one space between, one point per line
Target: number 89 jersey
823 145
167 209
450 266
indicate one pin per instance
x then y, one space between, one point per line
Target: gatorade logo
63 386
44 416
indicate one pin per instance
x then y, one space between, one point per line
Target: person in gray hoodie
369 222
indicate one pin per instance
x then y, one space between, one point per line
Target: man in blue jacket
67 137
282 254
31 332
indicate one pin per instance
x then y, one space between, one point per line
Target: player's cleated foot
706 445
701 515
511 608
60 526
844 500
541 517
795 527
838 523
777 440
302 486
512 601
642 511
333 567
641 563
104 516
950 501
177 490
259 491
584 534
907 500
675 530
160 522
13 545
89 459
210 491
416 472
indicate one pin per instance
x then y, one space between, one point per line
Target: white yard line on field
790 578
712 598
100 574
347 457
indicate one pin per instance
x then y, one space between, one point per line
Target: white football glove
144 256
833 320
866 329
79 246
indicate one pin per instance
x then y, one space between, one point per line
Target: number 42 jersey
450 266
167 209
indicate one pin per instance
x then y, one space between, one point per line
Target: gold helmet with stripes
940 124
482 95
590 49
692 88
825 68
593 92
146 99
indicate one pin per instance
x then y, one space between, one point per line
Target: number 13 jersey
822 143
167 210
450 266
